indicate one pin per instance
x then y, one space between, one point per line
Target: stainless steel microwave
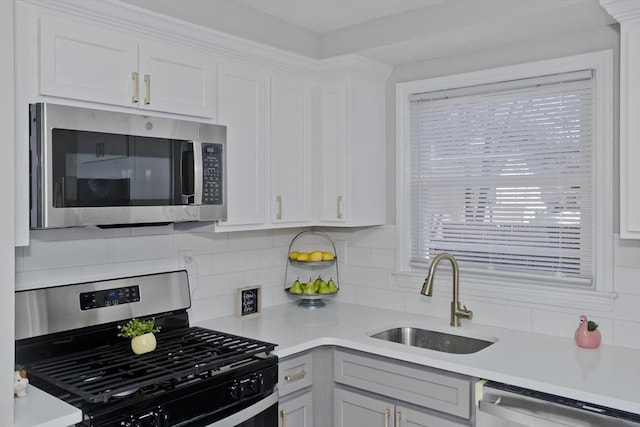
99 168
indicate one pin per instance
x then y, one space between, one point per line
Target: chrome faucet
457 312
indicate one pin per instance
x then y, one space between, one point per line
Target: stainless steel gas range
66 337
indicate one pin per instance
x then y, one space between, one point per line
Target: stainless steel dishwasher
503 405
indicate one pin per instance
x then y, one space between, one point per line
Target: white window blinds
501 176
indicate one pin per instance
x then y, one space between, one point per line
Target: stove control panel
109 297
246 387
155 418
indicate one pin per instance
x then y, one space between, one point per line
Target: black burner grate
181 355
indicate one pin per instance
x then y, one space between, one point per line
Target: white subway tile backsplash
223 262
246 240
382 298
377 237
626 253
626 280
45 278
369 277
384 258
121 269
200 243
626 334
358 256
228 262
138 248
73 253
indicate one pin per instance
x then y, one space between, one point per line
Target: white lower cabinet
357 409
296 411
295 380
376 391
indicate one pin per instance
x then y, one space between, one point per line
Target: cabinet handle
136 87
296 376
147 83
339 207
279 202
387 414
283 415
398 416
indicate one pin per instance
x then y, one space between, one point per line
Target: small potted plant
587 335
141 333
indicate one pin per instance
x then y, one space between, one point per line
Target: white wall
6 212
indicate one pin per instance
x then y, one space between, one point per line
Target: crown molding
622 10
147 23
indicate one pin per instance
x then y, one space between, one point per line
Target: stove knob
161 418
131 422
257 383
237 390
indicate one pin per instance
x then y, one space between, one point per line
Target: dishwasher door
502 405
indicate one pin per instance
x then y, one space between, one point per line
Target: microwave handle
197 173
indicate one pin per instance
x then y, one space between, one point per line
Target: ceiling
391 31
322 16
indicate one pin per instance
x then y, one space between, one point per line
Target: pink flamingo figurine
587 335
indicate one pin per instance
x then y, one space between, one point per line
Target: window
506 168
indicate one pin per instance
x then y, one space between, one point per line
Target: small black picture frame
249 302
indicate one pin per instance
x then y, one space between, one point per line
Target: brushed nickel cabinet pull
283 415
398 416
279 201
387 414
296 376
339 207
147 82
136 87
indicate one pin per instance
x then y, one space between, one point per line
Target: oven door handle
247 413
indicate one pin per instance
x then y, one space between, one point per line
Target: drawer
427 387
295 373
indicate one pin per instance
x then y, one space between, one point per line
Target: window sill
525 294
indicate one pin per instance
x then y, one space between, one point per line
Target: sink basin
433 340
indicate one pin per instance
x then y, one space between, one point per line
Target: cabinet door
410 417
290 144
357 410
296 411
176 79
331 197
88 63
242 103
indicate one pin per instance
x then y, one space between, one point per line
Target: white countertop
40 409
608 376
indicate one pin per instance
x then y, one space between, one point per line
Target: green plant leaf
135 327
592 326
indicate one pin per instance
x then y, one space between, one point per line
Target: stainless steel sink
433 340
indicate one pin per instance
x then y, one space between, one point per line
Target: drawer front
295 373
423 386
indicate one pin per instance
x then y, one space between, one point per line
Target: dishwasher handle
508 414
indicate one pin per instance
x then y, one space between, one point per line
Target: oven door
263 413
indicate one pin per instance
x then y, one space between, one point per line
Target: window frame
600 295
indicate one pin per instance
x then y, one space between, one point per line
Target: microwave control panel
212 174
109 297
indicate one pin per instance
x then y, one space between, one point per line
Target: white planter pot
143 343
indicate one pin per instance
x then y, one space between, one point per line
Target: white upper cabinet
628 14
86 62
268 119
242 108
290 150
351 180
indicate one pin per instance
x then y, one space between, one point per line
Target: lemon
294 255
327 256
303 256
315 256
